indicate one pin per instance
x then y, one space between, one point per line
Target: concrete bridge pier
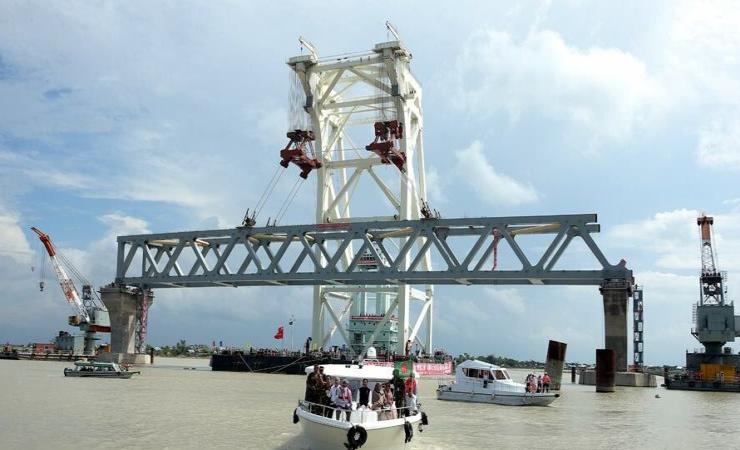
122 304
615 294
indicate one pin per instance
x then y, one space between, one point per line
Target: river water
172 406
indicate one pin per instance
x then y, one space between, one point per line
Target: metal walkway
329 254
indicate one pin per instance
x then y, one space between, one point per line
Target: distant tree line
502 361
182 348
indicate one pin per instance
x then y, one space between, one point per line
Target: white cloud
434 186
509 299
719 145
607 91
700 45
670 240
473 169
13 241
119 224
670 237
699 51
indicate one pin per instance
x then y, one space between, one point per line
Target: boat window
473 373
500 375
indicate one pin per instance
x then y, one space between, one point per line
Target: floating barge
269 362
296 363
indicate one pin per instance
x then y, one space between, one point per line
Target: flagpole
291 332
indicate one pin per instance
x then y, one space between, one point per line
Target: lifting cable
42 265
80 278
288 200
267 193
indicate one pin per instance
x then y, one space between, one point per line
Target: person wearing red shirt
411 394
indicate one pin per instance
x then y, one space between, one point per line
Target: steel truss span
311 254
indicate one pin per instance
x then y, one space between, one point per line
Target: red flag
279 334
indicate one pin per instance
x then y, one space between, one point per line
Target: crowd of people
538 384
333 397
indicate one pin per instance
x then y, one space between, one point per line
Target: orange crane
91 317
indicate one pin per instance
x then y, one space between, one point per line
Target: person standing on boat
323 393
344 398
410 395
377 397
313 381
334 395
408 348
390 413
364 395
398 389
539 383
546 382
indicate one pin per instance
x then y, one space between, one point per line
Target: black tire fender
356 437
295 415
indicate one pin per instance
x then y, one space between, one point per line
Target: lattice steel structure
637 330
359 97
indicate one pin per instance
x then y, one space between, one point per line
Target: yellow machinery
717 372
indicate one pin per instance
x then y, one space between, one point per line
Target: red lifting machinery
299 151
384 145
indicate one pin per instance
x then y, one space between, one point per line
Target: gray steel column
605 369
554 363
615 294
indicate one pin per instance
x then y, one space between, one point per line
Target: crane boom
711 280
68 287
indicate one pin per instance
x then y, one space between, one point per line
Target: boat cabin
86 366
482 376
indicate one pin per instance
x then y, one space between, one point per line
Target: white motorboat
324 427
98 370
478 381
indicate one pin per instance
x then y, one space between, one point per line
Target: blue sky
130 117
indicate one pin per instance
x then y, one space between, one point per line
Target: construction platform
125 358
631 379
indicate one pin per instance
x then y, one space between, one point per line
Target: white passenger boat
98 370
478 381
365 427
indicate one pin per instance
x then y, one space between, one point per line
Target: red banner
421 368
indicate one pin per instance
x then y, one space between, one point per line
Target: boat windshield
501 374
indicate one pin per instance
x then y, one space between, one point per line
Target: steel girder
311 254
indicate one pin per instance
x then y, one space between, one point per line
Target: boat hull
497 398
81 374
324 433
701 385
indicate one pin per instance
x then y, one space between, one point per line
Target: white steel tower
362 115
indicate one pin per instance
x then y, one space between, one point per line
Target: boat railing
357 415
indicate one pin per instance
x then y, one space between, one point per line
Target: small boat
324 427
9 354
478 381
98 370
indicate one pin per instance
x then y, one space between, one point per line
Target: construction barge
716 368
291 363
295 363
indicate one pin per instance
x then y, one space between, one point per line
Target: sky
135 117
